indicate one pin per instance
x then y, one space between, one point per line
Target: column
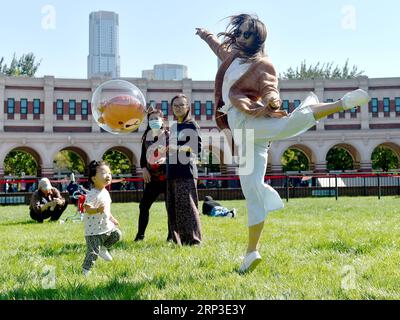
47 171
48 103
2 99
95 82
363 83
319 91
365 165
187 88
276 168
320 167
365 155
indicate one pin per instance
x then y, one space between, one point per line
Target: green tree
384 158
294 160
70 161
18 162
118 161
324 71
339 159
2 69
25 66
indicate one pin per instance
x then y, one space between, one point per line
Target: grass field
312 249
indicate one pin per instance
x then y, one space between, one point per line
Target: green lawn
312 249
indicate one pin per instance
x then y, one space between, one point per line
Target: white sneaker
250 262
355 98
105 254
232 213
86 272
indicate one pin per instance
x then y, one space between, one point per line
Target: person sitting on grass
46 202
101 228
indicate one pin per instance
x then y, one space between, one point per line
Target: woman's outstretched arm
213 42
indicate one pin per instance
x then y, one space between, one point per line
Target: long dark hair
92 169
187 115
256 27
149 113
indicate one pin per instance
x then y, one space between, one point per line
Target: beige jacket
38 199
252 92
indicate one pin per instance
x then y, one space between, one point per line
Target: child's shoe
105 254
86 272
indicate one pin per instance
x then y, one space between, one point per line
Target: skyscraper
103 59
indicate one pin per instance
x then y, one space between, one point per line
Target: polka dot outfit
98 223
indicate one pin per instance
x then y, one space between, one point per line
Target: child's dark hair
92 168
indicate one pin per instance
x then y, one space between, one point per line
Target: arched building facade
43 116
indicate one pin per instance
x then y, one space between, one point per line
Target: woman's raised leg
350 100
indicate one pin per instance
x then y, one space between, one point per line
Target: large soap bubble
118 106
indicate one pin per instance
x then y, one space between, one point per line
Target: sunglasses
182 105
246 34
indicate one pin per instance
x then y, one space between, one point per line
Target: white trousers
262 198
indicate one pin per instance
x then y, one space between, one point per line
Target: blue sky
157 31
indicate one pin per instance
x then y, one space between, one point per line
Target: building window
84 108
72 107
374 105
36 106
164 107
386 104
10 106
24 106
60 107
209 108
285 105
397 103
296 103
197 108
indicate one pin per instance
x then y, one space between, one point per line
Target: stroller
80 196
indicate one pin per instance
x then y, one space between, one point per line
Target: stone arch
81 153
307 152
353 152
395 148
129 154
77 150
36 156
390 145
